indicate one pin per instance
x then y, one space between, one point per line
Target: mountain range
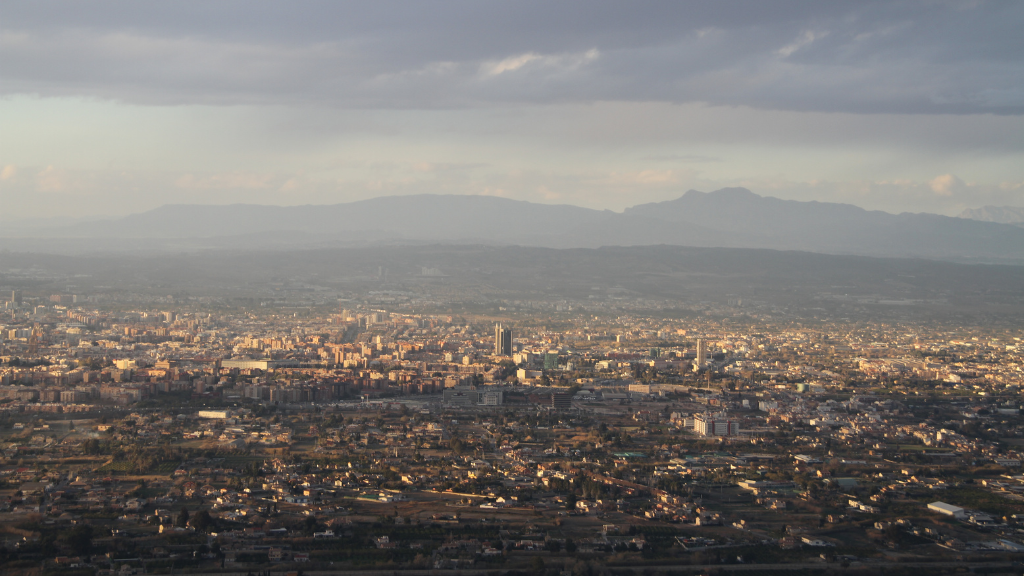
730 217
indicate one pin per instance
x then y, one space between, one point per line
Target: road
635 569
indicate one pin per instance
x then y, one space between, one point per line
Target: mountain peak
732 192
999 214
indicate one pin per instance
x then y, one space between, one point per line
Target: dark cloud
916 57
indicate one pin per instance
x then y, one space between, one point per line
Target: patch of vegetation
978 499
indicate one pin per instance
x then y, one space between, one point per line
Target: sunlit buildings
502 340
714 425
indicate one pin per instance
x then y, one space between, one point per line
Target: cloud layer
114 107
959 57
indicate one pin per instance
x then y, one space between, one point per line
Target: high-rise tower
702 352
502 340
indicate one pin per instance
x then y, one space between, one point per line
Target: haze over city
511 288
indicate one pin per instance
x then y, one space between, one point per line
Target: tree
202 521
310 524
457 446
182 518
79 539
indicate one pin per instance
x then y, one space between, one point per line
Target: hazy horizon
621 210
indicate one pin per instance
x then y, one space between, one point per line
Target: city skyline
346 427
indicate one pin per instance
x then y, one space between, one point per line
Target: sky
113 108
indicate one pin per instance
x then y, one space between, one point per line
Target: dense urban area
384 430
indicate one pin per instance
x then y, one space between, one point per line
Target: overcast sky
109 108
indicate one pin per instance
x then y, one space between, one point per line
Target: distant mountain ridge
730 217
999 214
838 228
